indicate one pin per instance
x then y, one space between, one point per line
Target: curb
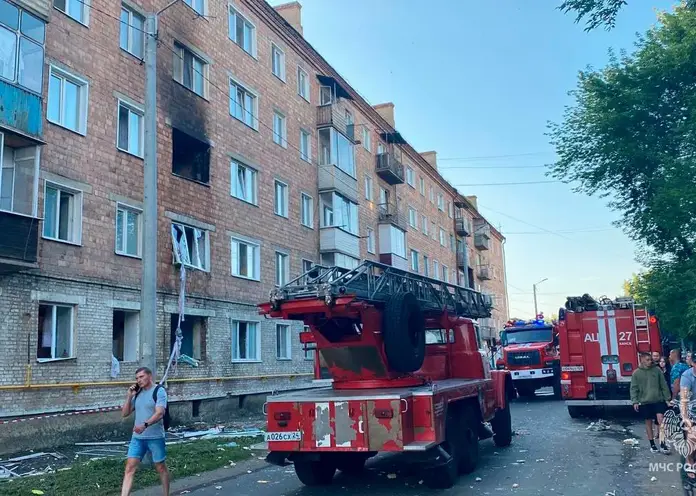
206 479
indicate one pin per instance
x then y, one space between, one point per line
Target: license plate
283 436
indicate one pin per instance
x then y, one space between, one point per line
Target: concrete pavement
550 454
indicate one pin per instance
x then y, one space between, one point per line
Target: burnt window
190 157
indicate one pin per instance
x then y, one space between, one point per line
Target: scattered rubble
631 441
600 425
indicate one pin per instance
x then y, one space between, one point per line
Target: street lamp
536 311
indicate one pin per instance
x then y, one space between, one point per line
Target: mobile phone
135 388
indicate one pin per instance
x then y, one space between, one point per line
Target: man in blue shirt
148 431
678 368
687 408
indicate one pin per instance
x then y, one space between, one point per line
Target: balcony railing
389 213
335 115
481 241
462 260
389 168
19 242
462 226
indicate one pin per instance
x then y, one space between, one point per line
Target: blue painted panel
21 110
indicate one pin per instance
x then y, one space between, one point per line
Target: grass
103 477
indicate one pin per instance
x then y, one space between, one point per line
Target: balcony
389 213
482 242
334 115
21 111
462 259
332 178
19 242
462 226
484 272
334 239
389 168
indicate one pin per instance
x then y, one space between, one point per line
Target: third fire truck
600 342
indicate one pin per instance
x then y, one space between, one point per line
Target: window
339 260
280 136
62 214
422 186
450 210
303 88
325 95
398 241
307 210
245 259
125 339
432 195
339 212
130 129
281 199
193 330
246 341
305 146
22 37
410 177
243 105
414 260
366 139
445 273
440 202
132 37
424 220
368 188
197 5
307 266
370 240
242 31
380 149
309 348
336 149
436 269
413 217
18 168
426 266
67 100
190 157
383 197
282 268
190 70
453 245
190 246
278 62
56 331
128 228
283 342
244 182
442 237
77 9
434 230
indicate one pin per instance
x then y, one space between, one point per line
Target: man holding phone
148 431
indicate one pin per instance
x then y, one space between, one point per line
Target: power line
506 233
505 184
487 157
525 222
487 167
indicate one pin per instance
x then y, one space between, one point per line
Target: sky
478 81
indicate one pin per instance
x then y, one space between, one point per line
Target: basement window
190 157
125 335
55 332
193 328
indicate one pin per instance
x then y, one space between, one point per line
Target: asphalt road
550 454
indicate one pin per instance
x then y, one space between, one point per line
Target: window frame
234 172
85 7
411 177
288 341
412 217
132 30
139 212
369 188
206 248
19 36
254 37
284 257
275 48
77 210
367 139
305 139
310 223
256 261
255 103
371 241
82 98
54 309
307 86
286 200
282 139
178 69
414 261
140 112
235 340
189 3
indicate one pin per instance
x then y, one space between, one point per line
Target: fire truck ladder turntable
375 283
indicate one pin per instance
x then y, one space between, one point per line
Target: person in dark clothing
665 367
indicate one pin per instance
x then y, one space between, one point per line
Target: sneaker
654 448
664 448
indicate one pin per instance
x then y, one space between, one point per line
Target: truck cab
530 353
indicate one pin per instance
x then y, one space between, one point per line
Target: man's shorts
649 411
138 448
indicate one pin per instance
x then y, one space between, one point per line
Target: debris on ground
631 441
600 425
653 478
478 479
515 485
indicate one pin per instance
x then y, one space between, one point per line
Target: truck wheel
403 329
502 426
351 463
445 476
468 442
525 391
315 472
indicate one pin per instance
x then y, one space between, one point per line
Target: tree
599 12
631 137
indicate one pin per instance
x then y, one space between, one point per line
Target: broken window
193 329
55 332
125 338
190 157
190 246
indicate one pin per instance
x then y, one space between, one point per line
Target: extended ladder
375 283
640 321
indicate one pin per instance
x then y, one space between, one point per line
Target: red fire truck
530 353
600 342
406 375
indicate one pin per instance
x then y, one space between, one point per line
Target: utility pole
148 292
534 286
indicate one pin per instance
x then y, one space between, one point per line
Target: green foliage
104 477
599 12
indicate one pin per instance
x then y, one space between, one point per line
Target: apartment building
268 161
